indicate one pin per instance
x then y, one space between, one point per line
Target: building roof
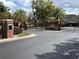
71 18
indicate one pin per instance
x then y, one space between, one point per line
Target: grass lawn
23 34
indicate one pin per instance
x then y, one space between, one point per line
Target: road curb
17 38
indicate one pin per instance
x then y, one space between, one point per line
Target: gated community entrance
7 28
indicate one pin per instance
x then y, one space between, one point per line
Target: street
62 44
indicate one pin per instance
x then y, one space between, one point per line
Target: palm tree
20 16
58 14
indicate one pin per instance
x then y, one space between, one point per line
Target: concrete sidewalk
17 38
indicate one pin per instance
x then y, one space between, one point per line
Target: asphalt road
46 45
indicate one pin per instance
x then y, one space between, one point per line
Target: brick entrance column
7 28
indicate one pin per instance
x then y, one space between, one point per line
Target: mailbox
7 28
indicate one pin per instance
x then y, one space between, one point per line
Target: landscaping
44 14
23 34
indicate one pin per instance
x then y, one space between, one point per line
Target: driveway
46 45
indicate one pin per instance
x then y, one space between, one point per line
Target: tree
45 11
5 15
42 9
58 13
59 16
20 16
4 12
20 19
3 8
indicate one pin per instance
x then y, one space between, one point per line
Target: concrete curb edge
17 38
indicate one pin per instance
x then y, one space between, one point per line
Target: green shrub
17 30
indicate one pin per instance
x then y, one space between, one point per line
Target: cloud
28 10
18 4
72 10
9 4
71 6
73 3
25 3
22 4
67 3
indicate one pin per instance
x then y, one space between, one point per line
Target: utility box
7 28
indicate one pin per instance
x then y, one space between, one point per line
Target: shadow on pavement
68 50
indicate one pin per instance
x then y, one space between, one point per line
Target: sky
70 6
